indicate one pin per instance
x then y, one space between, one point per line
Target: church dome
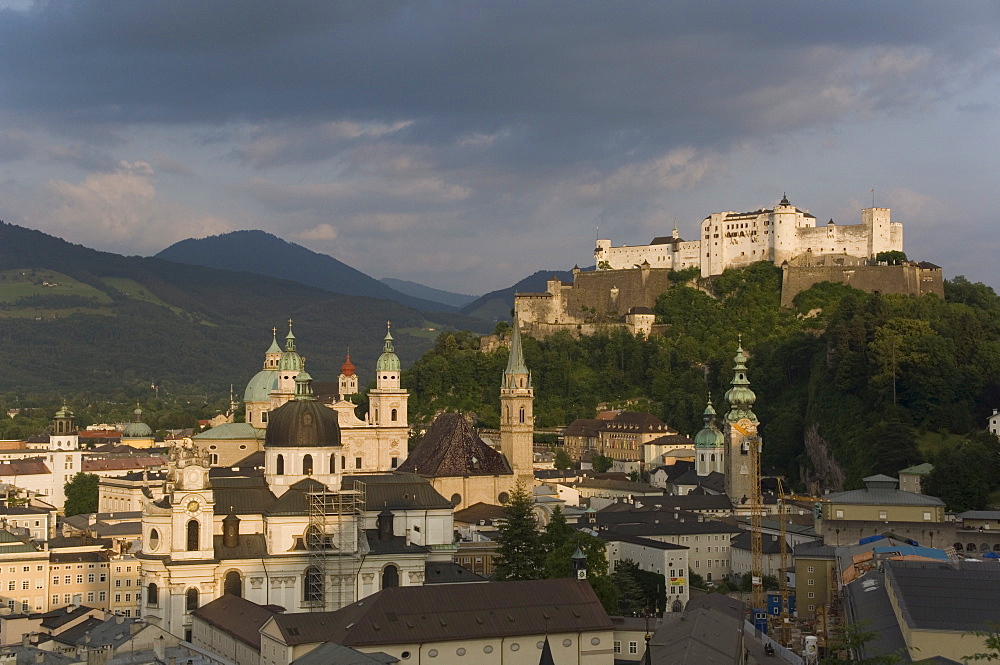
137 429
260 386
709 436
302 422
347 369
388 361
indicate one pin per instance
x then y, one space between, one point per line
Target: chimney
39 656
407 537
26 640
159 648
119 618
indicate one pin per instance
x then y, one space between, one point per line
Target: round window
567 642
539 644
503 497
595 641
515 646
460 651
154 539
405 654
433 653
487 649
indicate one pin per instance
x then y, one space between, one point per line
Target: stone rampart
909 279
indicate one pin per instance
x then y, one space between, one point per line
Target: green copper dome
388 361
137 429
260 386
740 397
709 436
290 360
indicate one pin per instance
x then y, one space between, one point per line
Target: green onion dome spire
740 397
388 361
709 436
290 360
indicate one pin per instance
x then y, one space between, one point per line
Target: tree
563 460
893 258
601 463
81 494
631 598
855 643
519 548
992 643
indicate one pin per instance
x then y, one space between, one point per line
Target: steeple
740 397
289 338
516 367
388 361
290 360
709 444
303 387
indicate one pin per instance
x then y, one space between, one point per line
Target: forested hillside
879 382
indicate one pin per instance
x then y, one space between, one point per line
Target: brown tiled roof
404 615
397 491
584 427
23 467
672 440
452 448
121 463
238 617
478 512
636 421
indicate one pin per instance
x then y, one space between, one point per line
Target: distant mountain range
73 319
416 290
265 254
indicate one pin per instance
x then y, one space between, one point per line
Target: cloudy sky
467 144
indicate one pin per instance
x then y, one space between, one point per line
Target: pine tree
519 547
81 494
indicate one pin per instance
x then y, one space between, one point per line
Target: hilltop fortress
628 279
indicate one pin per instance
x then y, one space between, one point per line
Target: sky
465 145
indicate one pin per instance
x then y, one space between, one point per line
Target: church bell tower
517 419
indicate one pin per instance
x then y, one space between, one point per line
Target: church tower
709 445
257 396
740 428
289 365
347 383
517 420
387 401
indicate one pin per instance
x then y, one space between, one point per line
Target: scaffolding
336 545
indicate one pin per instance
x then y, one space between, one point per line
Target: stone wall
909 279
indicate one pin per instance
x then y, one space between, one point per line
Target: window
633 647
618 646
152 594
11 585
279 465
79 578
393 415
312 589
55 599
357 462
68 579
394 462
118 583
90 596
90 577
103 577
883 515
840 514
927 517
811 583
118 598
810 569
307 465
25 585
193 533
102 596
233 584
191 600
811 594
128 597
390 576
333 464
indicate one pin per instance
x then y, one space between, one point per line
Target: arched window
233 584
958 547
152 594
307 465
393 415
713 457
333 464
970 547
213 458
279 466
522 414
376 415
191 601
390 576
312 589
343 463
193 533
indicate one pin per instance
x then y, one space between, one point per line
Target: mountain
497 305
73 319
265 254
428 293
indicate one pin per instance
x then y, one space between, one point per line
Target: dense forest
848 383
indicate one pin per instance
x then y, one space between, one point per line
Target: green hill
75 320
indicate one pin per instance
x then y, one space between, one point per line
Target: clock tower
192 504
740 433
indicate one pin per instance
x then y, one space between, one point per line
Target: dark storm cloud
632 76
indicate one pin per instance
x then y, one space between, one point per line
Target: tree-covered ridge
862 376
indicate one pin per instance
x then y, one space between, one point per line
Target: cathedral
330 510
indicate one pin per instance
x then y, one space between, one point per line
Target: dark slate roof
672 440
714 481
244 495
93 632
718 602
884 497
302 423
60 542
392 545
451 448
939 596
295 500
866 600
254 460
328 653
397 491
479 512
688 501
121 529
63 615
612 536
815 549
75 557
35 656
770 544
238 617
251 546
635 421
697 637
449 572
447 612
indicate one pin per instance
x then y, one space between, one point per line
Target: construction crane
783 579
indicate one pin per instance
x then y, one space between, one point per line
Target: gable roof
238 617
451 448
397 491
403 615
699 636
